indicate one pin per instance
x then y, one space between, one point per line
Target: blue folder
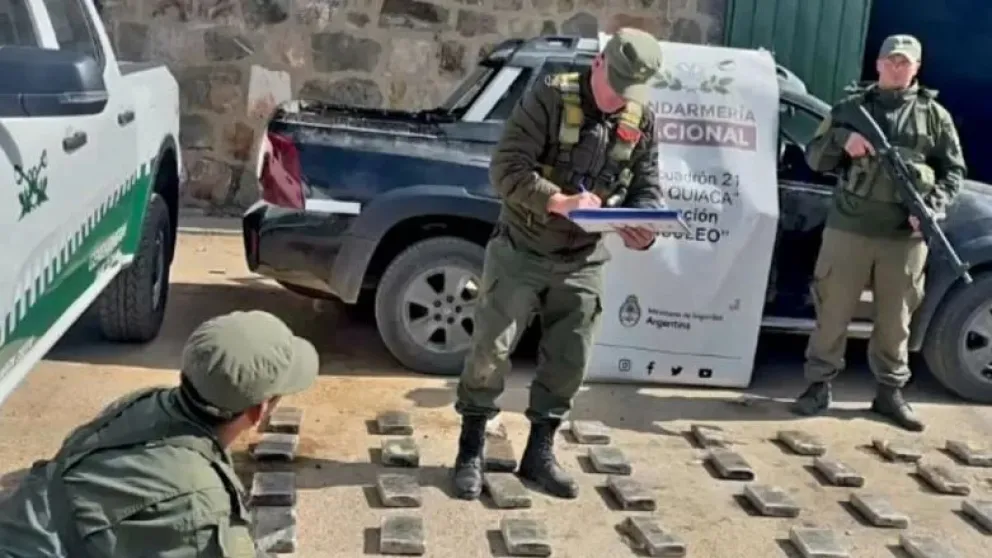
608 218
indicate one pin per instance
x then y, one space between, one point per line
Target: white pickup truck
90 172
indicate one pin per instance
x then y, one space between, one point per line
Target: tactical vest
605 170
867 178
178 435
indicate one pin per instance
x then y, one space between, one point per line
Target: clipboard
605 220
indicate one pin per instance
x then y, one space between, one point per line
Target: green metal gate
821 41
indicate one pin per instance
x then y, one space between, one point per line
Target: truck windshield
469 89
16 27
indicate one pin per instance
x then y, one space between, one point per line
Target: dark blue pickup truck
397 205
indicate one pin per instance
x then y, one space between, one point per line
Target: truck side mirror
45 82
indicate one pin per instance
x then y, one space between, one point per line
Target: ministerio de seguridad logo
630 312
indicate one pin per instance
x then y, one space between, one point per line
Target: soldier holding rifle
870 238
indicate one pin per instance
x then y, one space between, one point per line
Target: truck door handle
74 142
125 118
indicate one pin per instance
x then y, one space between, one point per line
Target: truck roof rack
506 49
562 43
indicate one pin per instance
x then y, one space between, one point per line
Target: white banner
689 310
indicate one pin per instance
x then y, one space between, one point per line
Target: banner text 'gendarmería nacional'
706 125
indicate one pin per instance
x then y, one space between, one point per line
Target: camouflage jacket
146 477
530 142
866 201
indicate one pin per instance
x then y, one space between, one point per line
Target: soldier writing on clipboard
575 141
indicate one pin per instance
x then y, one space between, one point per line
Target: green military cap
633 57
238 360
906 45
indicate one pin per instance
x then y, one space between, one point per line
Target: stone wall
235 59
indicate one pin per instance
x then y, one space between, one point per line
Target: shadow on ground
350 346
777 380
347 341
315 473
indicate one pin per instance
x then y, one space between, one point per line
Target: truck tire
432 277
132 307
953 335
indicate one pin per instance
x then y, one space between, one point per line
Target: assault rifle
858 120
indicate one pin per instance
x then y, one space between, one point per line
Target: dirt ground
335 470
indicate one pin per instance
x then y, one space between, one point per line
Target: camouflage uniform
555 141
868 240
148 476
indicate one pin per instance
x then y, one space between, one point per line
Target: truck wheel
958 345
132 306
424 304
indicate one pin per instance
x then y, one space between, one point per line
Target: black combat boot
539 465
890 403
469 462
814 400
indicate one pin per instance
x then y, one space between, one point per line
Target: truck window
798 123
509 99
796 129
465 95
16 25
73 28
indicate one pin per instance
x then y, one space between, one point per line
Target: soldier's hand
562 204
858 146
636 238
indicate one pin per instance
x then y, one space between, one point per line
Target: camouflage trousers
516 284
846 265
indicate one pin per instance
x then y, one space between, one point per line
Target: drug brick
771 501
274 446
650 537
630 494
402 535
730 465
590 432
499 456
802 443
879 511
925 546
943 479
838 473
813 542
525 536
708 436
398 490
506 491
980 511
392 423
609 460
970 453
285 420
273 488
274 529
896 451
400 452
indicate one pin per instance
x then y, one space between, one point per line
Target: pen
582 185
